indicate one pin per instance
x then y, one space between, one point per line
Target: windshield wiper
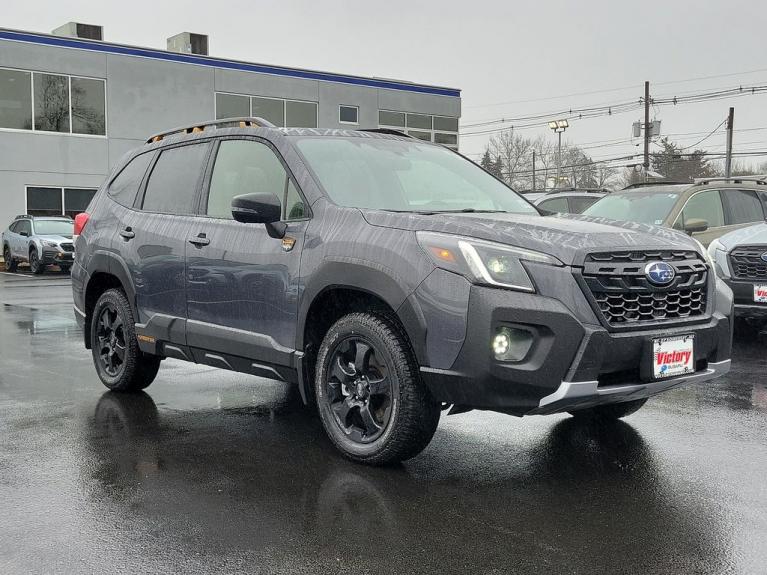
472 211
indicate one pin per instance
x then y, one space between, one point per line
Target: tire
370 397
10 263
65 269
610 411
119 362
35 264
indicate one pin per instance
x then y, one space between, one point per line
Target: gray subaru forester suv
390 279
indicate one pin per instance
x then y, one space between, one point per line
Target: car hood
746 236
55 237
569 237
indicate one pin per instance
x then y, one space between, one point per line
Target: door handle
200 240
128 233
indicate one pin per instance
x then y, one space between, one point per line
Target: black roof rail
244 122
759 180
386 131
662 183
584 190
23 217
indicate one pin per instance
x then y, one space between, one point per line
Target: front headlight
483 262
49 244
717 256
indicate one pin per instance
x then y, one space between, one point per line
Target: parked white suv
40 241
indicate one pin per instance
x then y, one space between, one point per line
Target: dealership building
72 104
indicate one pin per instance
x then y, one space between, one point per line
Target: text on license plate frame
678 358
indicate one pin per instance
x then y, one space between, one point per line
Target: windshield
54 227
404 176
641 207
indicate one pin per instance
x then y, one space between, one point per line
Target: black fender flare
110 263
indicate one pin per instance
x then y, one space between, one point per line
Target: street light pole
559 126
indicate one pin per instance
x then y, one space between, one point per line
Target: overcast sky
509 58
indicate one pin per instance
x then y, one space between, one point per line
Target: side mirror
695 225
25 234
260 209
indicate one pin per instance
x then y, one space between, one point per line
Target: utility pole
533 170
646 162
728 161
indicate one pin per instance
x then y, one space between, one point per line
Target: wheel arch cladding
105 271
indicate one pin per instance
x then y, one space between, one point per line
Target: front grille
68 247
620 289
747 264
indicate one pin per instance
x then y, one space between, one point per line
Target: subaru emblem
659 273
764 257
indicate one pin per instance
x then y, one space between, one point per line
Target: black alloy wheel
359 389
110 335
35 264
10 263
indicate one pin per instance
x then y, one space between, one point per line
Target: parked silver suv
41 241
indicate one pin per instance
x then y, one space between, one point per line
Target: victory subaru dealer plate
760 294
673 356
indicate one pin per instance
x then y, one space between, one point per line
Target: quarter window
244 167
295 209
704 206
124 187
743 207
172 185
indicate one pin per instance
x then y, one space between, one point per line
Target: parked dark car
389 278
706 210
740 259
573 201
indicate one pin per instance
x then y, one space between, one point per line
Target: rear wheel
610 411
35 264
10 263
372 402
119 362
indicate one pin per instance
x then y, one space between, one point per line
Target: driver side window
702 206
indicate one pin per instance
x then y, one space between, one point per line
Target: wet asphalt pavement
211 471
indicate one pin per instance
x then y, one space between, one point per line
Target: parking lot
214 470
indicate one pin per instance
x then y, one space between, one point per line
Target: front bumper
52 256
573 363
743 296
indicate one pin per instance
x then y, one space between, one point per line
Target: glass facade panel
44 201
76 200
395 119
445 124
231 106
300 114
348 114
448 139
88 107
51 103
419 121
269 109
15 100
425 136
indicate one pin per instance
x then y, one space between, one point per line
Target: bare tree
514 152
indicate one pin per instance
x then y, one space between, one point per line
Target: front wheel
35 264
610 411
10 263
119 362
370 397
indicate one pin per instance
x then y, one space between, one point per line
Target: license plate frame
678 358
760 297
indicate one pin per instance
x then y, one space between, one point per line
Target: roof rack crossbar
242 122
657 183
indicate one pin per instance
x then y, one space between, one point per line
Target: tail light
80 221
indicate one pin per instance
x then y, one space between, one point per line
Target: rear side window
172 185
743 206
578 204
555 205
124 187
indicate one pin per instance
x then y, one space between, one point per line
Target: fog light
511 344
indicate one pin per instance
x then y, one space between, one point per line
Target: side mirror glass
695 225
25 234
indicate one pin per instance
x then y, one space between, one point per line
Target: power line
705 137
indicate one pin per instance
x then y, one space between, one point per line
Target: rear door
242 284
152 239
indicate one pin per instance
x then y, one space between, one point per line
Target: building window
348 114
290 113
270 109
15 100
300 114
439 129
232 106
47 201
52 103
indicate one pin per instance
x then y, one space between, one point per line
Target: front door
242 284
